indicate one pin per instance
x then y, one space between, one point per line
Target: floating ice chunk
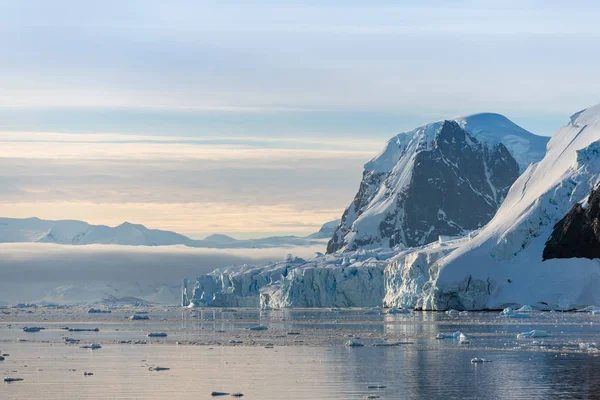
353 343
395 310
478 360
137 317
454 335
9 379
258 328
452 312
506 311
463 313
157 334
158 369
532 334
589 309
33 329
92 346
98 311
463 339
589 347
524 309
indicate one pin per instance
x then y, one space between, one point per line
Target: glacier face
353 279
435 180
502 266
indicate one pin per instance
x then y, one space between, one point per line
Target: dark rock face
456 184
577 235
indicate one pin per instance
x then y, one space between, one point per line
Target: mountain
15 230
547 215
326 230
442 179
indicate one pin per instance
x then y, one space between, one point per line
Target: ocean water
210 350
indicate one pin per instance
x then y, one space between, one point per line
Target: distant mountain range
72 232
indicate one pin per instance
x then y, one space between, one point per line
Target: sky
255 118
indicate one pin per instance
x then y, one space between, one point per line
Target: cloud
32 271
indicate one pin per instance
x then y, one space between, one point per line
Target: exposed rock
437 180
578 233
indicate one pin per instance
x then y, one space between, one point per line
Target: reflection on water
312 365
53 371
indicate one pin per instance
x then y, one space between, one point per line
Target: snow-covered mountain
502 265
444 178
15 230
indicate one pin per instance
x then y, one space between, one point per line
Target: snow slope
410 192
502 265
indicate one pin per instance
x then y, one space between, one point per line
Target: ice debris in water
590 309
353 343
92 346
510 313
532 334
455 335
137 317
258 328
463 339
463 313
478 360
395 310
157 334
525 308
452 312
589 347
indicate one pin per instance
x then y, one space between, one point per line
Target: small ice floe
463 313
532 334
92 346
158 369
455 335
452 312
84 330
137 317
70 340
590 309
258 328
510 313
395 310
10 379
463 339
98 311
589 347
157 334
478 360
525 309
353 343
219 394
33 329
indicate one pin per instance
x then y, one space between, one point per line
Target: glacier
494 267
